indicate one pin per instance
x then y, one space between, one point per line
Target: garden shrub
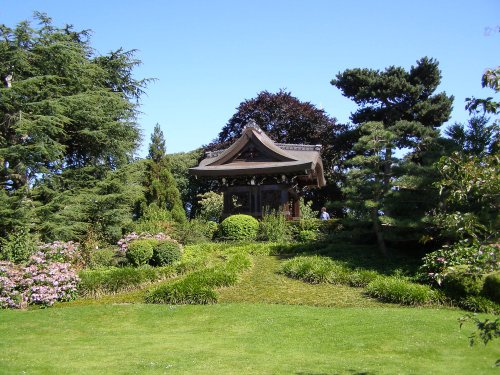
140 252
479 304
395 289
239 227
194 231
101 258
165 253
18 246
491 287
479 258
307 235
182 294
273 227
459 282
42 282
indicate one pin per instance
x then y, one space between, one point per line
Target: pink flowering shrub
49 276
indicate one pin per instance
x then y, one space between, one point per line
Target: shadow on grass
355 256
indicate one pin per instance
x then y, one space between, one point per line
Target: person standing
324 215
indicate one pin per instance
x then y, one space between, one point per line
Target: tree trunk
377 228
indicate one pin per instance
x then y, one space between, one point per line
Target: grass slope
261 284
238 339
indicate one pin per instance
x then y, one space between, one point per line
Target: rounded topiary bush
140 252
239 227
165 253
491 287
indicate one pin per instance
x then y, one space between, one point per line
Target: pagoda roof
254 153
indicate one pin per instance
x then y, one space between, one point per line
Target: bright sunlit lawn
266 324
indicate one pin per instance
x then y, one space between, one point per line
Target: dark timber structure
257 175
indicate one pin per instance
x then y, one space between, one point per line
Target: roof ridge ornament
251 124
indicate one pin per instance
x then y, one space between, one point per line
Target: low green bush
113 280
491 287
307 235
458 282
182 294
239 227
139 252
479 304
395 289
165 253
195 231
101 258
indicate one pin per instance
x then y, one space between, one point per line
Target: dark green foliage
398 109
105 281
165 253
101 258
195 231
140 252
182 294
491 287
479 304
161 188
66 110
395 289
239 227
459 282
18 246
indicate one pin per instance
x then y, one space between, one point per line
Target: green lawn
238 339
266 324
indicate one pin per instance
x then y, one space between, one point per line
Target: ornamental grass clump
94 283
395 289
198 287
315 269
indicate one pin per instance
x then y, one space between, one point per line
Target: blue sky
209 56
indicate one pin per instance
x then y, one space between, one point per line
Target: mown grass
238 339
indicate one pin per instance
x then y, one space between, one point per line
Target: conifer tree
162 189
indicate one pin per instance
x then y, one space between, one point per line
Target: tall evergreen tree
67 115
162 189
406 106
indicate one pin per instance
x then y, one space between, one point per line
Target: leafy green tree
404 104
161 186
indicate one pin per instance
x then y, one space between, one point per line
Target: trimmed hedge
239 227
